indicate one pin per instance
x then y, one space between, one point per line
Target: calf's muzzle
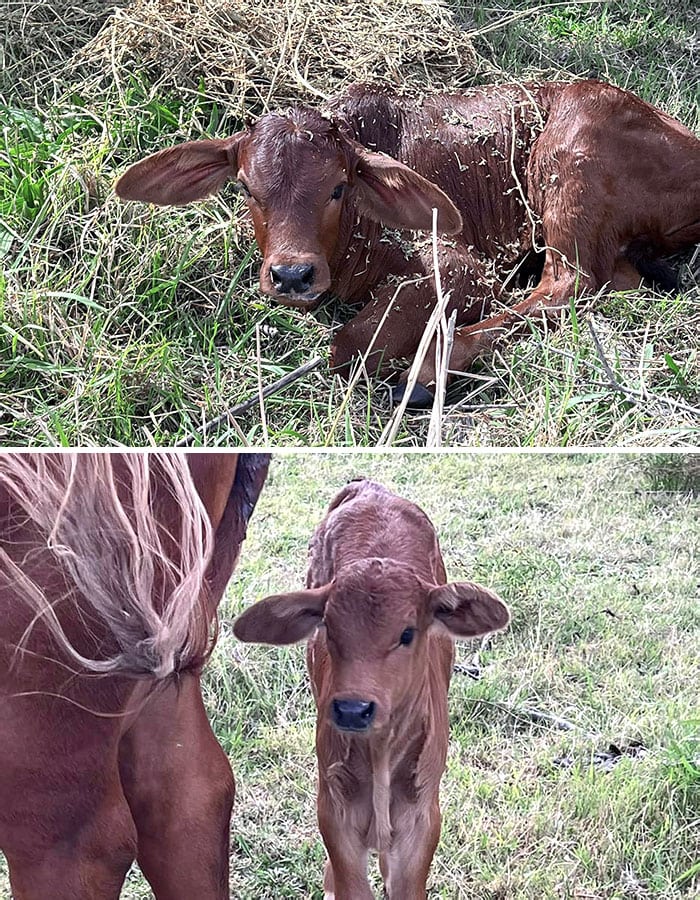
352 715
294 279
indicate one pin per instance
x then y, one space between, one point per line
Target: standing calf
380 618
584 180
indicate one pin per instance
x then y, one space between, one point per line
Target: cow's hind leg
180 788
88 861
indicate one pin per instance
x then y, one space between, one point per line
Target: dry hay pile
253 54
37 39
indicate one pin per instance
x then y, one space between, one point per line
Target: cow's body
584 182
98 768
380 667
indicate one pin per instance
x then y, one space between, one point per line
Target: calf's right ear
183 173
283 618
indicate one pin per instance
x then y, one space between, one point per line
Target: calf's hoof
421 396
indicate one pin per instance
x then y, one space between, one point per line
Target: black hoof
421 397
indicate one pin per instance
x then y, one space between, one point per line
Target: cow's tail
137 581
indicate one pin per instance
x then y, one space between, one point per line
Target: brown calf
583 183
380 618
111 570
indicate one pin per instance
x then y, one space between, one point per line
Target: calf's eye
407 636
338 191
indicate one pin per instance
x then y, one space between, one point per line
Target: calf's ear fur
467 609
181 174
391 193
283 618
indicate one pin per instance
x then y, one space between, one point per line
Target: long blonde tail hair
143 578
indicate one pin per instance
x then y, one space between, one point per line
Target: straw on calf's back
595 180
111 570
380 618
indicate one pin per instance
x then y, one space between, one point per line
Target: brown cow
380 618
111 570
585 181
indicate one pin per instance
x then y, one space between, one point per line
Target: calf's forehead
371 604
284 154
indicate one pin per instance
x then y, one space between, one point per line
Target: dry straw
254 54
38 37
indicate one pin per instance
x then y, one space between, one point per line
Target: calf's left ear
467 609
283 618
391 193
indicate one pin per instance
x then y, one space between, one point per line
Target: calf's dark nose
294 279
353 715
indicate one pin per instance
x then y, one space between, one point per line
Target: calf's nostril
307 275
368 713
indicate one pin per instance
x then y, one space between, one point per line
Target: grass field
597 556
122 324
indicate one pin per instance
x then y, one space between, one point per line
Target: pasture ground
597 556
122 324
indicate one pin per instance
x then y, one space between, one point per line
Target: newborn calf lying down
578 185
380 619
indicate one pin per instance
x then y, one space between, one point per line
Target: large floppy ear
283 618
182 174
467 609
389 192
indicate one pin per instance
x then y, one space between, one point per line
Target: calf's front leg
406 864
391 325
388 327
345 873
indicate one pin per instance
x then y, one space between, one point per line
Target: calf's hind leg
566 274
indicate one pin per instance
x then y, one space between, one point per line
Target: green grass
123 324
637 45
598 562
